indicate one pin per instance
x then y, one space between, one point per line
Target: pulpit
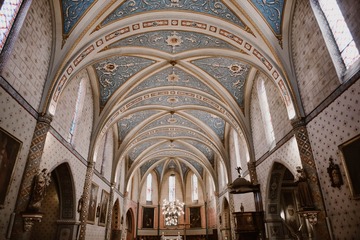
249 225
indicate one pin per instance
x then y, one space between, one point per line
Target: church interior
179 119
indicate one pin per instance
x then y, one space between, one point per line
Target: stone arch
130 225
225 226
282 204
58 207
116 221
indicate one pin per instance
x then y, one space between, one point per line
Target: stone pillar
109 216
85 196
252 172
31 169
320 230
232 219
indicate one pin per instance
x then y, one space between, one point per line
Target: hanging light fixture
172 211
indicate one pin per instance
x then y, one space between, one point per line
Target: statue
41 181
305 197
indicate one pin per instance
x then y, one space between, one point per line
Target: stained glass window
344 40
8 12
237 148
78 110
194 185
172 188
149 187
265 113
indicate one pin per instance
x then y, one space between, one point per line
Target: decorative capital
310 216
298 122
45 118
30 219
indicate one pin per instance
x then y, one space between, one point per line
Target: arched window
149 188
172 188
78 110
237 148
342 35
8 13
194 188
265 113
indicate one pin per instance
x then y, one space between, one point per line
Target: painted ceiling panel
113 72
173 120
208 152
172 101
147 165
72 12
125 125
173 41
215 8
229 72
173 133
172 76
272 12
184 168
159 168
137 150
216 123
196 165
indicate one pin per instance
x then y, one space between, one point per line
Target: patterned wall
18 122
335 125
27 67
313 66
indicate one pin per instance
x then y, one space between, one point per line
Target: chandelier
171 211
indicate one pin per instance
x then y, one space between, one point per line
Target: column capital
298 122
45 118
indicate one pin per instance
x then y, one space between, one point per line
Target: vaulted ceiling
172 76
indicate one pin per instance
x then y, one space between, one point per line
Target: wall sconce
334 174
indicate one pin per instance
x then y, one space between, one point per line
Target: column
85 197
109 215
319 227
31 169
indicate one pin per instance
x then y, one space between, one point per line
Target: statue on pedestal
305 197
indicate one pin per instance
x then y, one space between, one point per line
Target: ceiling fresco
72 12
126 124
229 72
115 71
173 91
272 11
173 41
215 8
173 76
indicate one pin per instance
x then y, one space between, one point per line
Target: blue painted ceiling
182 76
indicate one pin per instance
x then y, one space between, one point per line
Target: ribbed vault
171 76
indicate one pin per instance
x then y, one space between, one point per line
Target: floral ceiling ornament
174 40
173 77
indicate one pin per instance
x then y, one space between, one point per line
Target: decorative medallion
174 40
173 77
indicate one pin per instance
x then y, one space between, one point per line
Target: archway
58 207
116 222
225 224
129 227
282 219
